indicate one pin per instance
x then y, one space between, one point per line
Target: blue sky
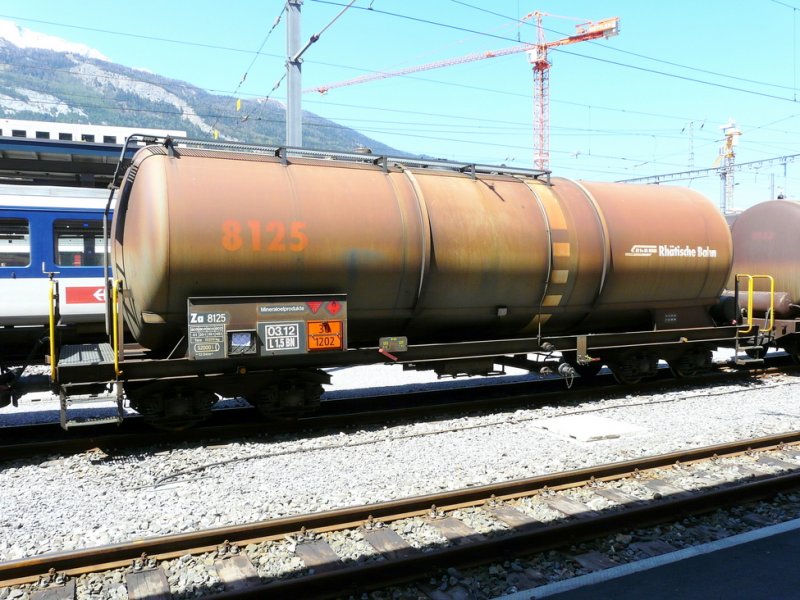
648 101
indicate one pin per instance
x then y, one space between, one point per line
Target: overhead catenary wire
449 26
586 169
636 54
315 38
499 91
140 36
253 62
786 4
429 22
450 116
329 125
296 58
681 77
332 125
496 124
485 34
794 40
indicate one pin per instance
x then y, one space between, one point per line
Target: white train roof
52 197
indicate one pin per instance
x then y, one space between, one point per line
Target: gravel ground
60 503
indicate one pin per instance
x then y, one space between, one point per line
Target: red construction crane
324 89
541 78
538 57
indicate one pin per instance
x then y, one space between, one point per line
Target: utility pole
294 110
294 58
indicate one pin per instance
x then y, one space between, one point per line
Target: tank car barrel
508 254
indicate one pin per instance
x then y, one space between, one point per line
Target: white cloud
25 38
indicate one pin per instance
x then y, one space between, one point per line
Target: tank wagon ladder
95 357
89 354
753 339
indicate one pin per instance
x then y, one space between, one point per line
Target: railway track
532 515
27 441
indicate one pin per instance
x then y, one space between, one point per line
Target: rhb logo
642 250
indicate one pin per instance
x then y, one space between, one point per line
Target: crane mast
537 56
728 156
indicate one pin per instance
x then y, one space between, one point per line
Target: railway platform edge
757 564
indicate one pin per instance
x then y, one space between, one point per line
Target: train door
77 254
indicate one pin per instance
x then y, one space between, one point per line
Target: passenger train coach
50 232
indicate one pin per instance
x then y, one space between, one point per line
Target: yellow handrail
115 326
771 314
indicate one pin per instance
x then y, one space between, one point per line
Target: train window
19 133
87 137
15 243
109 139
78 243
65 136
42 135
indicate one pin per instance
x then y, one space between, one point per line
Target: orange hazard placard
325 335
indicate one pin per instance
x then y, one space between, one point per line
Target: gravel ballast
60 503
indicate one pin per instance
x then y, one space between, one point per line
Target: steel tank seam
603 230
425 224
549 234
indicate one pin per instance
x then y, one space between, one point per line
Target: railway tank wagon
247 271
766 241
281 267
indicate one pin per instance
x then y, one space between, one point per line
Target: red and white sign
334 307
85 295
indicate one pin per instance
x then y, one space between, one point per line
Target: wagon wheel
287 401
172 408
629 368
625 374
624 378
7 377
691 363
680 370
682 366
792 348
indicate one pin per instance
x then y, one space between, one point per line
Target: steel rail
116 555
337 583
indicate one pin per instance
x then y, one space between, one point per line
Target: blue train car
50 232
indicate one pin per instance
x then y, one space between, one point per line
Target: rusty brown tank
766 242
431 254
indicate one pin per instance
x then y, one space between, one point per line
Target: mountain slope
73 83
